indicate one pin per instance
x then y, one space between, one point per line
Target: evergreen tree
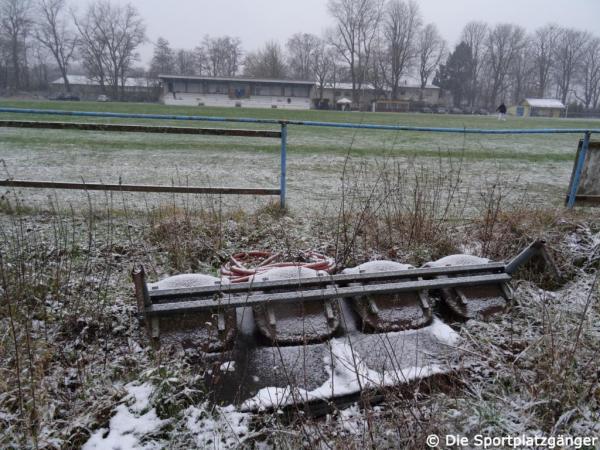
455 75
163 61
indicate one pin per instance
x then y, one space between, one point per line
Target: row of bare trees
217 57
381 43
505 63
371 42
375 43
103 39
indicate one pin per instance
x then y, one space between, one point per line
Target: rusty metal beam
120 128
236 301
138 188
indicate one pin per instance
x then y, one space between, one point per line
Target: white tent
344 101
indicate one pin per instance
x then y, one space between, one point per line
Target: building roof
234 79
544 103
370 87
82 80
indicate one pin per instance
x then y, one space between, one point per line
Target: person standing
501 111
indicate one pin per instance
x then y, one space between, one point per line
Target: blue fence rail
283 124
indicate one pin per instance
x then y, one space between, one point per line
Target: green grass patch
302 140
408 119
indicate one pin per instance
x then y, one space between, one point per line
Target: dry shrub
515 227
202 239
187 238
402 212
54 287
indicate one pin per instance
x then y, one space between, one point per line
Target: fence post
282 180
578 170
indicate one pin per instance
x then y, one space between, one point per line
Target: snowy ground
99 384
316 160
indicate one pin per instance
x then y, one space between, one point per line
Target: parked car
456 110
103 98
426 109
65 97
482 111
441 110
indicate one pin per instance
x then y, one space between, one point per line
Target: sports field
537 164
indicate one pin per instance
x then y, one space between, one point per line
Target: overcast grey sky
184 22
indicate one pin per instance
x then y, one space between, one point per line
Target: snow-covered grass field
540 164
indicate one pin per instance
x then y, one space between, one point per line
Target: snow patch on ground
573 297
217 428
227 366
132 421
443 332
352 419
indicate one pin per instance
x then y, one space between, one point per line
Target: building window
301 91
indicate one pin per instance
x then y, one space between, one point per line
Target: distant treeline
375 43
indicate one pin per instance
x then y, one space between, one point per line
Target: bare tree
354 34
301 48
55 34
92 46
268 62
185 62
504 42
110 36
522 72
431 48
323 63
474 35
163 59
568 51
589 74
220 56
39 67
379 67
401 25
15 27
542 46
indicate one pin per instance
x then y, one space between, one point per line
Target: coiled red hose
242 266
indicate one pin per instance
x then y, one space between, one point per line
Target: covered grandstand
235 92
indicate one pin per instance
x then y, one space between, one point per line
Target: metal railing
283 124
131 128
